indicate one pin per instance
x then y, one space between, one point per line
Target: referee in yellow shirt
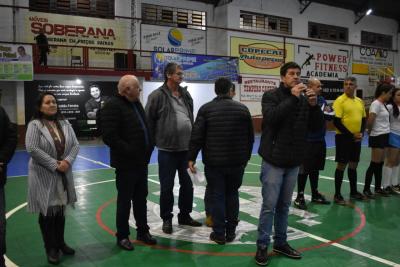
350 122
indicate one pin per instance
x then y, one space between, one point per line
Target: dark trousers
52 228
223 184
43 57
2 223
132 188
168 164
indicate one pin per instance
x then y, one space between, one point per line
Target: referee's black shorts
347 150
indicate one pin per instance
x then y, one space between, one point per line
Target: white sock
395 175
386 176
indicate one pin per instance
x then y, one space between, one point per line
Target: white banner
253 88
172 40
16 62
322 62
378 57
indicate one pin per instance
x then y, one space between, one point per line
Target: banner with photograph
323 63
16 62
77 31
196 67
172 40
79 103
253 88
260 56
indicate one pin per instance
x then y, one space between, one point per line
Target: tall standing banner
260 56
77 31
196 67
78 103
172 40
16 62
323 63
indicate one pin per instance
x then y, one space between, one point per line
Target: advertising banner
16 62
77 31
260 56
378 57
172 40
323 63
196 67
79 103
253 88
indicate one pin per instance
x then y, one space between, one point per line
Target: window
92 8
265 23
171 16
327 32
376 39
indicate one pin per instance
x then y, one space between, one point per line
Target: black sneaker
300 202
167 226
381 192
320 199
189 221
338 199
358 196
230 237
369 194
146 238
220 240
288 251
262 256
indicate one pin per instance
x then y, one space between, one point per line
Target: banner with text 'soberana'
261 56
76 31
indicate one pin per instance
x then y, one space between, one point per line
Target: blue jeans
277 189
168 164
223 196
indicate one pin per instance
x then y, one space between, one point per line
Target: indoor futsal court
358 234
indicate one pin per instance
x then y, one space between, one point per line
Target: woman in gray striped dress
53 147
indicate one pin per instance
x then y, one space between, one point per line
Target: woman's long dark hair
391 101
383 88
37 114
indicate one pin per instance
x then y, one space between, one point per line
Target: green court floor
358 234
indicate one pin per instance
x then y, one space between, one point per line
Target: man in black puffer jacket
224 132
288 112
125 131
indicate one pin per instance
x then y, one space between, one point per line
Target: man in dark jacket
43 46
224 132
8 142
126 132
169 111
288 112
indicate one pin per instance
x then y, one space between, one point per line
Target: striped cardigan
42 175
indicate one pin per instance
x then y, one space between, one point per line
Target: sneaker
300 202
209 221
220 240
125 244
320 199
389 190
67 250
369 194
261 257
167 226
189 221
230 237
146 238
396 189
288 251
338 199
381 192
358 196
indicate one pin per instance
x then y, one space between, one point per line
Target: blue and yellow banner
196 67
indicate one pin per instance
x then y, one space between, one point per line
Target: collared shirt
351 111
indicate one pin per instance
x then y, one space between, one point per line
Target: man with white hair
125 131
